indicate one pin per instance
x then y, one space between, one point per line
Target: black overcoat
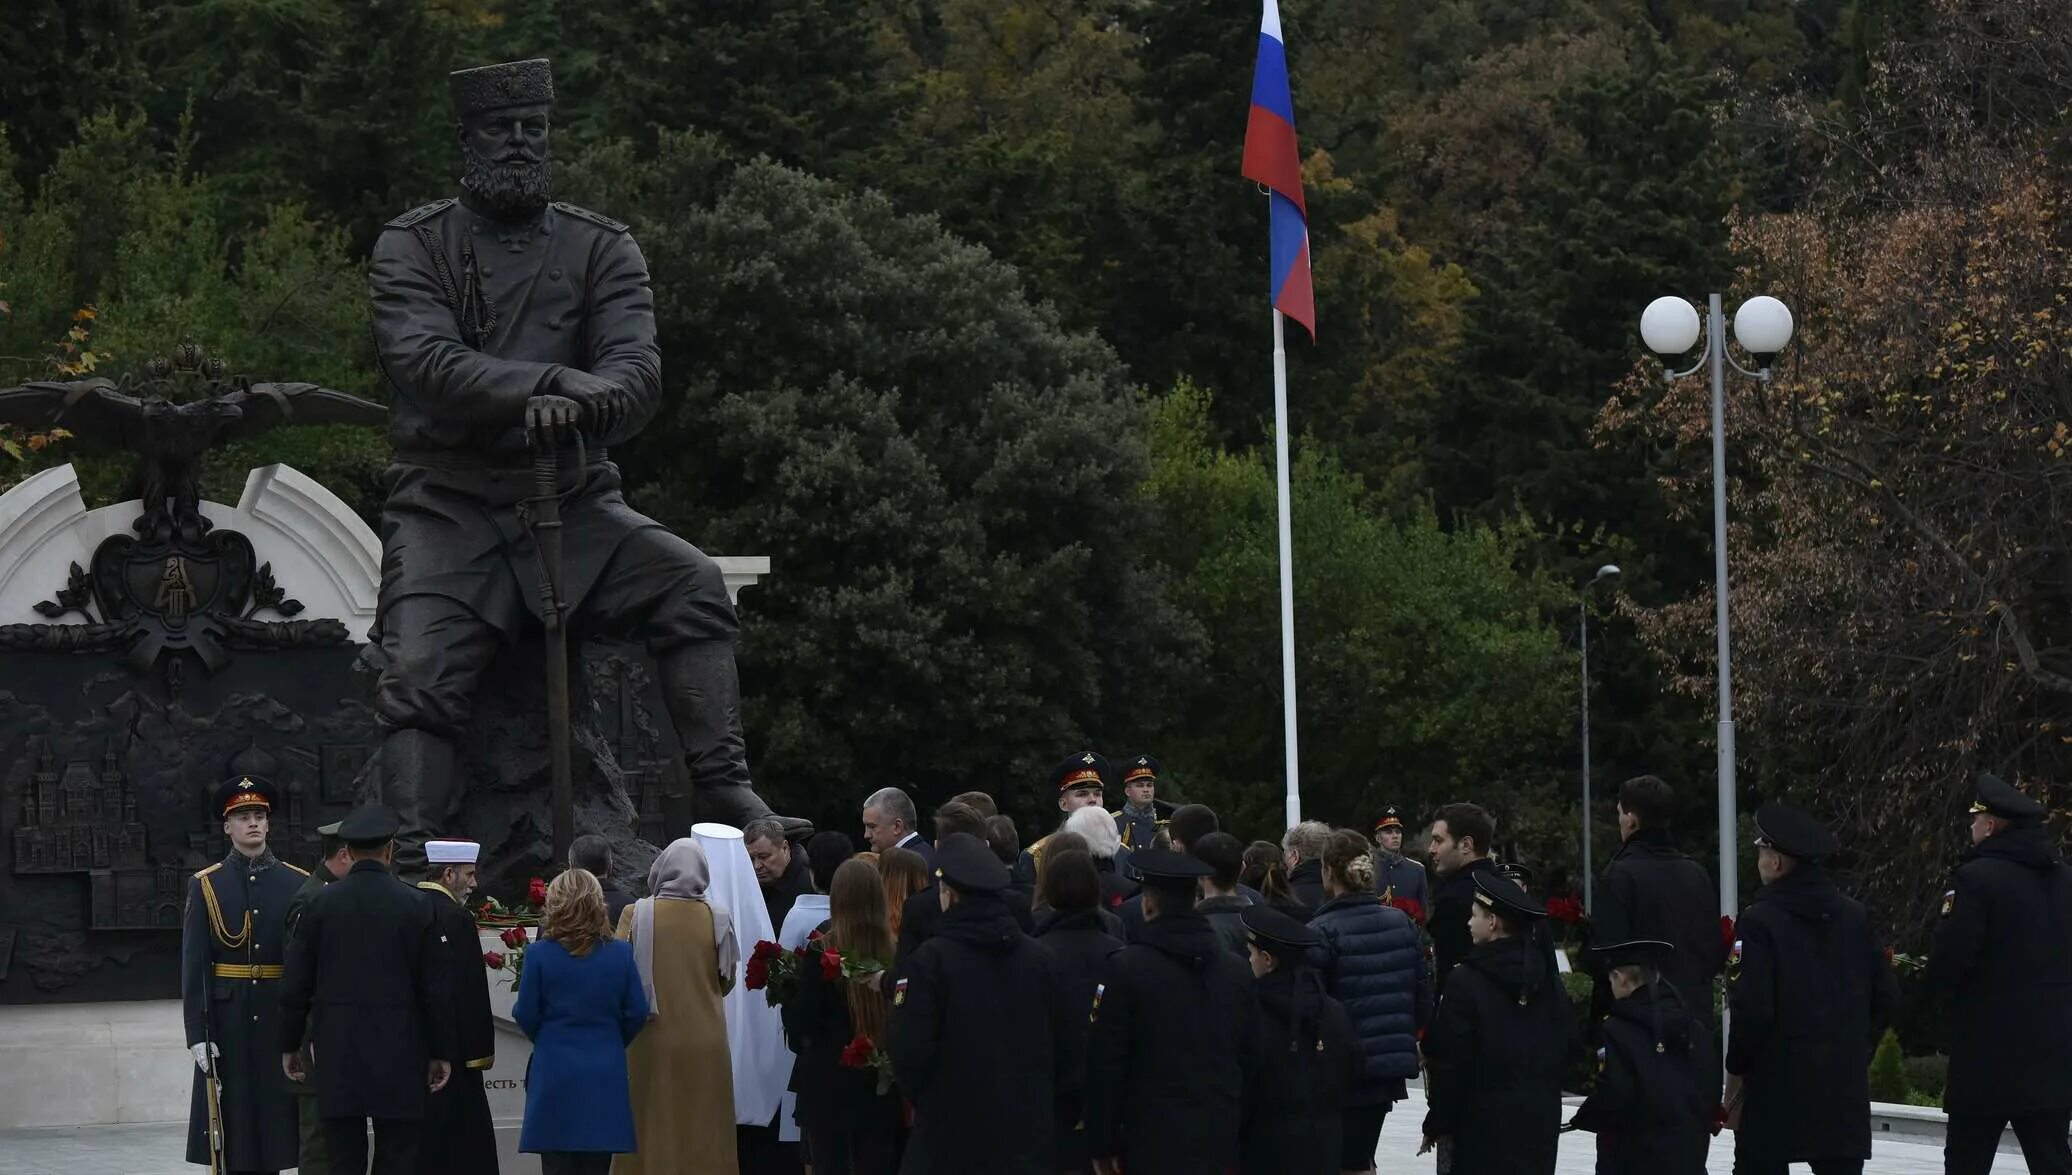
1453 896
364 962
1081 943
1651 891
1308 1057
1809 994
1493 1064
230 987
978 1015
1175 1042
459 1134
2003 955
1653 1107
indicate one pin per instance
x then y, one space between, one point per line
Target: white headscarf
679 874
755 1033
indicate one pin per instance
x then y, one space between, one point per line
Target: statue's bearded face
504 160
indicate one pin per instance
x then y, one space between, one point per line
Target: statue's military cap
497 87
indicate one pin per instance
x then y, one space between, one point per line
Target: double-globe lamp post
1583 628
1670 327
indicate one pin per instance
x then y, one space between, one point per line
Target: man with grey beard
505 324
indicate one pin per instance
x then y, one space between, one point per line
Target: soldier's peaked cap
967 865
1085 769
1792 832
245 791
1141 767
1999 797
1391 817
369 825
497 87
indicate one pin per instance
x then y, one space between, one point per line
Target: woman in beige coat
683 1082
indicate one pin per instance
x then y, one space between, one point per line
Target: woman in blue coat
580 1000
1372 960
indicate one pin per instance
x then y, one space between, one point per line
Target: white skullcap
451 852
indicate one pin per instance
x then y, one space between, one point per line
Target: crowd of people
1137 991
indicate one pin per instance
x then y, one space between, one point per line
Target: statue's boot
418 770
703 694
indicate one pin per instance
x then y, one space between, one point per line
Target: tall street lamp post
1670 326
1583 617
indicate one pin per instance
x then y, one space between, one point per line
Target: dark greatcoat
779 895
1082 943
1139 828
1452 897
1809 992
365 960
1652 1110
980 1038
459 1134
1175 1043
1493 1066
239 1013
1308 1057
1651 891
313 885
2003 954
1306 882
1398 876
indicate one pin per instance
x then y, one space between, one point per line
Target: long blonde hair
905 874
575 916
857 923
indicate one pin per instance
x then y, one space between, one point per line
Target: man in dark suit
1653 892
1459 849
593 852
890 821
365 957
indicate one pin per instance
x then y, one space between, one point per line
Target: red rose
494 960
536 892
1410 906
857 1053
756 975
514 937
803 953
830 966
1726 932
766 950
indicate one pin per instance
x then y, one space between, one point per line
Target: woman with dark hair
1371 958
580 1002
849 1128
905 874
1266 870
1080 935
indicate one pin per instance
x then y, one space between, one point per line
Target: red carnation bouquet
1410 906
1566 909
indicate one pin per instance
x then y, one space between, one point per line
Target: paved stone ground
155 1149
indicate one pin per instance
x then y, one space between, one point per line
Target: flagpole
1280 468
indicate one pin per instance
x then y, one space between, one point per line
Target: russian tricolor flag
1272 159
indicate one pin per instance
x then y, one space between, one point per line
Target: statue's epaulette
209 870
297 868
421 212
596 218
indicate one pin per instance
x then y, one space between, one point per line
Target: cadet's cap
330 829
967 865
496 87
1277 933
369 825
1792 832
1141 767
1391 817
1169 865
1636 952
451 852
1999 797
245 791
1516 872
1503 895
1085 769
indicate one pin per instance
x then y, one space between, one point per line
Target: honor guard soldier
1657 1074
1499 1043
458 1132
980 1028
231 947
1175 1037
2003 957
366 954
1808 993
1307 1053
1398 876
1142 813
1080 782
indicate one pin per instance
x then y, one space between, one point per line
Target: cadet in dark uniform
312 1158
458 1132
1142 814
230 969
1307 1053
1808 993
1657 1074
1499 1044
1175 1039
365 958
1395 875
980 1028
2003 954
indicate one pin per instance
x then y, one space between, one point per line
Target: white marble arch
322 553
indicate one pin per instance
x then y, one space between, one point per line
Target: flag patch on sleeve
1095 1014
899 993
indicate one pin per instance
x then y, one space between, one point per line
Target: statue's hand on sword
551 421
603 402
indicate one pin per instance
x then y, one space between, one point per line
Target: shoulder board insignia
596 218
209 870
297 868
421 212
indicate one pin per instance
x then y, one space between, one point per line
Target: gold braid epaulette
208 896
296 868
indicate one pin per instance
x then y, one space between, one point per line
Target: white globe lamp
1669 326
1762 326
